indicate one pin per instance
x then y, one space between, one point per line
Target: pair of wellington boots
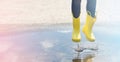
87 29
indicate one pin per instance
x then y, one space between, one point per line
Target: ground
40 30
53 43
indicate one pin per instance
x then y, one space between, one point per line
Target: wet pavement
52 43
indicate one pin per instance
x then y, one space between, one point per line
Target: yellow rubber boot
87 29
76 30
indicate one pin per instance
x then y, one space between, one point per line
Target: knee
91 13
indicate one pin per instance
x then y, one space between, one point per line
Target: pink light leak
6 53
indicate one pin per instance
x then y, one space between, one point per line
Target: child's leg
76 20
91 7
90 20
76 4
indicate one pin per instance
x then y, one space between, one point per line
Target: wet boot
76 30
87 28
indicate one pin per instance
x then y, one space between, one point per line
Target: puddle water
53 44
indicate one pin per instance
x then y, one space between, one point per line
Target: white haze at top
54 11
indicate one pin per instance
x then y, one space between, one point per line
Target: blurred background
53 11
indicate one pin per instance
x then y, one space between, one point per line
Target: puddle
53 44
